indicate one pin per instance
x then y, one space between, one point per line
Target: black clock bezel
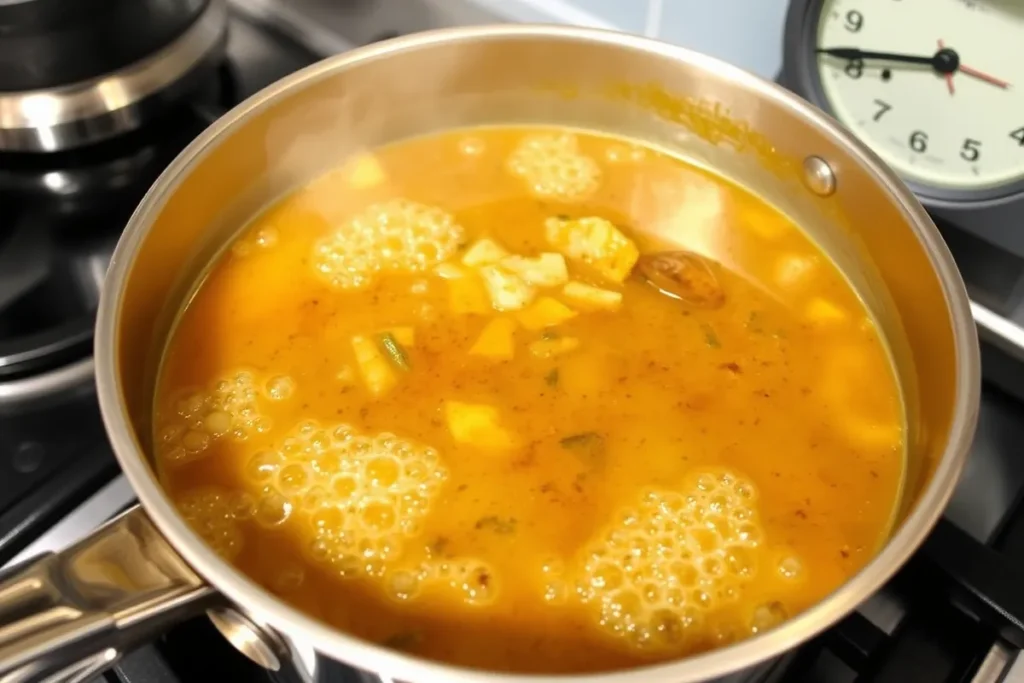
802 75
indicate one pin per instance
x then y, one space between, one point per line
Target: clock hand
981 76
974 73
949 76
944 61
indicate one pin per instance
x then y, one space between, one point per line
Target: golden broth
591 479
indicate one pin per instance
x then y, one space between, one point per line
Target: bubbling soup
532 399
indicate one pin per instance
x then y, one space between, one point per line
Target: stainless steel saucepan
74 611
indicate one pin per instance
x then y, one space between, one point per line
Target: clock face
961 130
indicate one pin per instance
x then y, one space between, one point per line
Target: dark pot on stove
72 73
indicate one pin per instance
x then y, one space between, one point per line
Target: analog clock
934 87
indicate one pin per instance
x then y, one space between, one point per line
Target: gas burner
71 180
72 74
49 286
63 215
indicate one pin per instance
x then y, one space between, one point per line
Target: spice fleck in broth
448 398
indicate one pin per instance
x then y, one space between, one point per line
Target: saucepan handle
67 616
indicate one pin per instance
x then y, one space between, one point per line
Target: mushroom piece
683 275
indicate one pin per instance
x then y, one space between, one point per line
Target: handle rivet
819 176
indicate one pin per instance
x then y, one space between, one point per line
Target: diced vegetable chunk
549 348
364 172
823 312
793 269
406 336
477 425
393 350
508 291
496 340
468 295
346 376
685 276
545 312
449 271
866 434
484 252
767 226
377 373
587 446
596 242
546 270
592 298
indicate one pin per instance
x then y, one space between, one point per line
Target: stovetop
62 215
954 613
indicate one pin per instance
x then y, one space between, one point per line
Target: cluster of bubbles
214 514
661 568
228 409
554 168
397 235
359 496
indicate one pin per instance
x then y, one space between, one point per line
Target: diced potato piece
347 376
484 252
596 242
545 312
426 312
467 295
477 425
592 298
375 369
824 312
792 269
507 290
547 270
364 172
496 340
449 271
406 336
866 434
549 348
767 226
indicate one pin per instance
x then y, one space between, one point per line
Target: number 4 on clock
1018 135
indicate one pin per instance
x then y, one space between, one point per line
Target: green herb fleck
754 323
395 353
588 446
710 337
551 379
498 525
404 640
563 217
548 335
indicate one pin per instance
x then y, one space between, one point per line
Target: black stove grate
937 639
72 206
